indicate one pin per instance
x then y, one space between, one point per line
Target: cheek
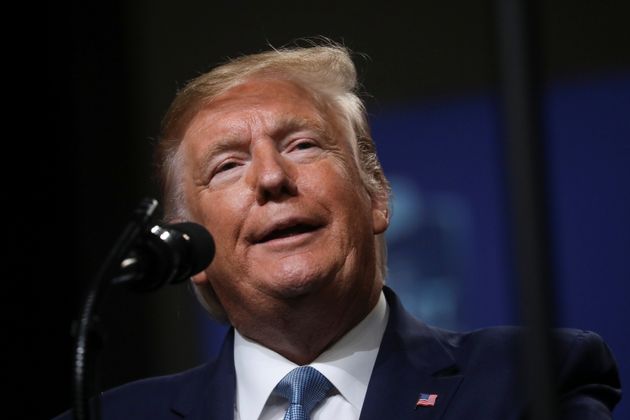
224 213
344 184
223 217
345 197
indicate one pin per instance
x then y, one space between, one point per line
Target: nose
271 175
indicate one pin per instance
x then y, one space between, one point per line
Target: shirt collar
347 364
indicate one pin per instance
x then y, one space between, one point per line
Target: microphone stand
87 335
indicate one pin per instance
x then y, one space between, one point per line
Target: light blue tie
304 387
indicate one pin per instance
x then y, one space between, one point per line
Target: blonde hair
324 69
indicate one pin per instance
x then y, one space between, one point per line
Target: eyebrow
225 144
281 128
290 124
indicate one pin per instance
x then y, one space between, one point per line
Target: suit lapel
411 361
212 396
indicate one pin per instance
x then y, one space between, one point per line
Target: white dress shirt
347 364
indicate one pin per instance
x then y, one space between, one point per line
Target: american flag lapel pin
426 400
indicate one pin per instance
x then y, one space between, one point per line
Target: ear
200 278
380 214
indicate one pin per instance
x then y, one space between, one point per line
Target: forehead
261 102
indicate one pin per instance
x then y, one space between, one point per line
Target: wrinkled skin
271 175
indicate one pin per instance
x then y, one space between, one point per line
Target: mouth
285 230
288 232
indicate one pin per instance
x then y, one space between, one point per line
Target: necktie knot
304 387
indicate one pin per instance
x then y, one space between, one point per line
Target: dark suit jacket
474 374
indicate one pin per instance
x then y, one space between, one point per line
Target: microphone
143 260
166 254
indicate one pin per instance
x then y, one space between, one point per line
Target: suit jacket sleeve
589 381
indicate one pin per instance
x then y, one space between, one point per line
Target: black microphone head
201 245
167 254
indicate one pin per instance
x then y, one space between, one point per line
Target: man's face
271 176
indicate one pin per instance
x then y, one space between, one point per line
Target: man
272 153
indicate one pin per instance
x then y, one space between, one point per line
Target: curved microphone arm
144 258
86 335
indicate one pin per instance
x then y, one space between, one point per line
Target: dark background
112 69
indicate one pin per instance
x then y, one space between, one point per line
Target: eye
304 144
226 166
225 169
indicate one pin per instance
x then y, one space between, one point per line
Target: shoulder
570 345
486 352
159 388
585 369
150 398
205 391
509 336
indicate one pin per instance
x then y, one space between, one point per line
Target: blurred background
432 76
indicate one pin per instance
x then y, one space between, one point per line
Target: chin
297 274
295 283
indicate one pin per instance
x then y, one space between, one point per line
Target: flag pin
426 400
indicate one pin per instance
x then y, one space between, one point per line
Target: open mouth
287 232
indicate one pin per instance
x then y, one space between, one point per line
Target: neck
303 328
